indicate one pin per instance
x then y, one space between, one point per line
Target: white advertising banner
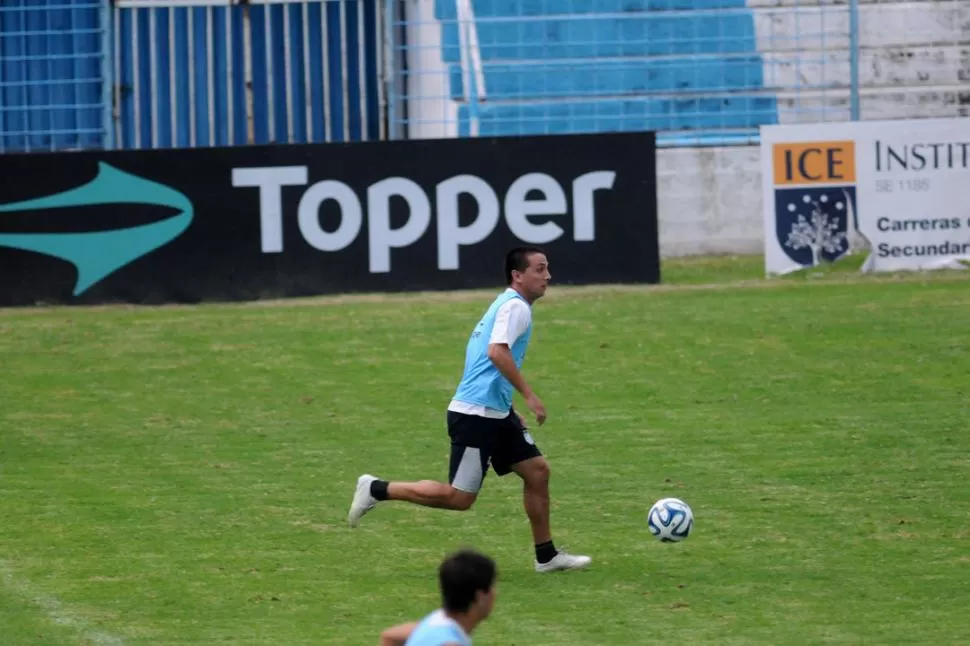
897 191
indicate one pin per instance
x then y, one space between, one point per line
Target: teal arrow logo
97 254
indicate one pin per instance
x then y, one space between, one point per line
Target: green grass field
182 475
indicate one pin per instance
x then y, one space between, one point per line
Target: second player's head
467 581
527 271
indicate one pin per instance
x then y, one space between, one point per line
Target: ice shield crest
815 224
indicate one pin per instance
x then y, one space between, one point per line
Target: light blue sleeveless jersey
482 383
437 629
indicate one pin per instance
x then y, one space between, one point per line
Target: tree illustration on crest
818 233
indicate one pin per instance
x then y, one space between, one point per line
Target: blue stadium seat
554 66
534 117
588 37
445 9
562 79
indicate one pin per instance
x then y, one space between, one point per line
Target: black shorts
477 442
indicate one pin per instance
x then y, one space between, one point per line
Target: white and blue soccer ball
670 520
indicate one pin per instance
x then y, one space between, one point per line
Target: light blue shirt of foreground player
483 390
438 629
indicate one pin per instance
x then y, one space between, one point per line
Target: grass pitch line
54 609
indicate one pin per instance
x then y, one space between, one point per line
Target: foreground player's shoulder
520 309
515 313
512 307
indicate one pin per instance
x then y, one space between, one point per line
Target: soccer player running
467 583
483 426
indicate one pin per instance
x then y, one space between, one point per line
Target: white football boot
363 501
563 561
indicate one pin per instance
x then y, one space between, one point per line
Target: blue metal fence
206 73
54 75
89 74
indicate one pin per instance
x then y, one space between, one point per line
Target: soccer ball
670 520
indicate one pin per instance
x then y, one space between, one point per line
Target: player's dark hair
461 576
518 260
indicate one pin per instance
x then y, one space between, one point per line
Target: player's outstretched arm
397 635
501 356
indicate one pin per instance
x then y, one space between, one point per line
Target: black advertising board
245 223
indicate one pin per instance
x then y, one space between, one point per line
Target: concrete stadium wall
914 58
709 201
